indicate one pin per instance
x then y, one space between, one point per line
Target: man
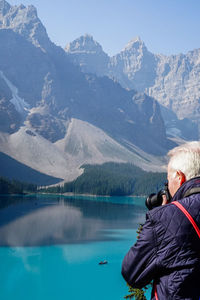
168 249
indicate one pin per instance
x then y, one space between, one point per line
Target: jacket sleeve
139 264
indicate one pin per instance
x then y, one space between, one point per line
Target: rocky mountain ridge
92 58
24 21
172 80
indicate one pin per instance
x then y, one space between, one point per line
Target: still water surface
50 246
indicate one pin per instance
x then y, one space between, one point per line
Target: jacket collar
189 184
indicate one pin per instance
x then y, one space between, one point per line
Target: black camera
154 200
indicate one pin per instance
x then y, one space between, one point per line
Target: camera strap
194 190
190 218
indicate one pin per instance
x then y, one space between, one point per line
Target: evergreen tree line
15 187
114 179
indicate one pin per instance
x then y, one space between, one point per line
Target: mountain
25 22
172 80
55 118
89 55
136 64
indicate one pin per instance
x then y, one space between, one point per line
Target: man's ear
181 177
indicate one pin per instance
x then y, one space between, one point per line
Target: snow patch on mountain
20 104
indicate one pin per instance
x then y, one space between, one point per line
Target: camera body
155 200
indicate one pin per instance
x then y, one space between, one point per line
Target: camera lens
153 200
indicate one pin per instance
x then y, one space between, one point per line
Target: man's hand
164 200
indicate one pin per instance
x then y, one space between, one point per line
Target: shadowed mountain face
42 90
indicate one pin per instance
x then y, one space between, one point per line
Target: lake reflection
77 233
49 220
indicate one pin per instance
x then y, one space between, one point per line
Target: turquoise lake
51 246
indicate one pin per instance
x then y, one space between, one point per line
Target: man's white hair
186 158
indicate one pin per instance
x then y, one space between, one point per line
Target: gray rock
47 126
89 55
134 67
24 20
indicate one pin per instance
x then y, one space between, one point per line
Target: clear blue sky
165 26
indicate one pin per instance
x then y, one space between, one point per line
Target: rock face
177 84
89 55
134 67
24 20
42 91
172 80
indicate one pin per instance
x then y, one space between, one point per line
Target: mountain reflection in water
47 220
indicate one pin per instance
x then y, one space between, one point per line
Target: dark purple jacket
168 249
